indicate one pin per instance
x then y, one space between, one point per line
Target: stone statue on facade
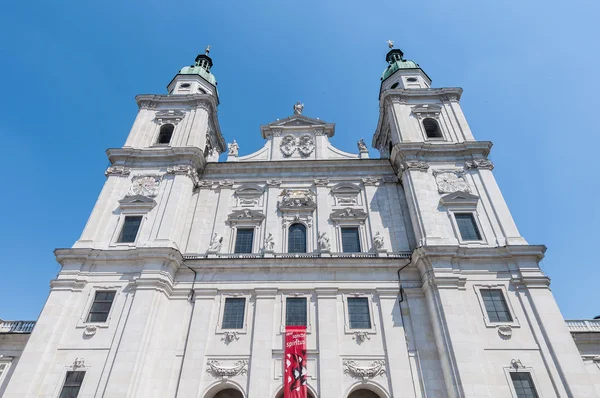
378 241
323 241
269 243
362 147
233 148
215 243
298 108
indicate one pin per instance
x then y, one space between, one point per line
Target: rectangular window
233 313
523 385
350 240
101 306
495 305
3 369
295 311
243 240
358 312
72 384
131 225
467 226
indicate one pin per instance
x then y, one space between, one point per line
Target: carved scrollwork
90 330
297 200
415 165
480 164
377 368
505 331
117 171
185 170
370 180
321 182
215 368
306 144
230 336
273 183
449 181
288 145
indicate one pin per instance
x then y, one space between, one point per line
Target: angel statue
269 243
233 148
324 241
215 243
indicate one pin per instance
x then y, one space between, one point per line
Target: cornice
535 252
163 156
407 94
192 100
427 150
140 254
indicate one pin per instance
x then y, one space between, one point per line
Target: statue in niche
362 147
323 241
216 243
233 148
269 243
378 241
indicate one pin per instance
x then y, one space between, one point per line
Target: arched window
297 239
229 393
363 394
432 129
166 132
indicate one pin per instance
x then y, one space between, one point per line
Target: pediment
137 203
246 215
170 114
459 199
348 214
345 188
297 120
249 191
426 108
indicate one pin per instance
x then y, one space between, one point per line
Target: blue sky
71 70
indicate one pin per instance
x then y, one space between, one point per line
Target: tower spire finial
207 49
390 43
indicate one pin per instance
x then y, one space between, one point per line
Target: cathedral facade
407 270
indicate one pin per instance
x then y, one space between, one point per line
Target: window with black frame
297 238
72 385
233 313
495 305
295 311
350 240
100 308
244 239
523 384
467 226
130 229
358 313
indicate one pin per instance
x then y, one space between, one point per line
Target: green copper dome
201 67
396 61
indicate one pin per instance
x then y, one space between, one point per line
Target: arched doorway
363 394
229 393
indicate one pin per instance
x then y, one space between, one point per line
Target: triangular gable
298 120
137 203
459 199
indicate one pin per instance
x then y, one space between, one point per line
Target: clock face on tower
145 185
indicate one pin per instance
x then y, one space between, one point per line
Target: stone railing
16 326
584 325
296 255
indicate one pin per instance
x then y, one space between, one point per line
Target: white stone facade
430 334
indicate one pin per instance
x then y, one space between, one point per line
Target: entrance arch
309 394
228 393
363 394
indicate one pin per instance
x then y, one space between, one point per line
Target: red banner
294 362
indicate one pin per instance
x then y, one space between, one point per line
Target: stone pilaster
263 329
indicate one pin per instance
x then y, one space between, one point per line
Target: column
263 331
328 329
194 363
400 372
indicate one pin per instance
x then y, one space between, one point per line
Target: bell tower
153 176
